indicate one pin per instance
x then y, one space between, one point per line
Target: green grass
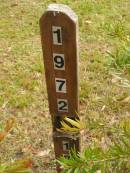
104 27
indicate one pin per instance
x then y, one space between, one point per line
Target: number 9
59 61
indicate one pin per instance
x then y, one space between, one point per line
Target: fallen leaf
126 100
4 104
129 161
14 5
99 171
103 108
43 153
9 124
2 136
88 21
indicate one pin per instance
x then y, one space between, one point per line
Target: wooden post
59 37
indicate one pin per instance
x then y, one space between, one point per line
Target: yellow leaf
73 122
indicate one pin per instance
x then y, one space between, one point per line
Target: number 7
60 85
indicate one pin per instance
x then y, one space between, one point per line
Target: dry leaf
14 5
102 109
43 153
88 21
4 105
126 100
2 136
9 124
99 171
129 161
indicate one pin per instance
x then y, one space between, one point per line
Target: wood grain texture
61 15
67 22
58 147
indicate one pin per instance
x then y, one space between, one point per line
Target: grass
104 27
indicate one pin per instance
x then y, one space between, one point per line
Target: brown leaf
9 124
14 5
2 136
129 161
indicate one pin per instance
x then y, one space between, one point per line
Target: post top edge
63 9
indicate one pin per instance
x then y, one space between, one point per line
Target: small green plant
121 57
115 28
18 166
115 159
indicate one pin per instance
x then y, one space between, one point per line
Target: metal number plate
59 61
57 35
66 145
62 105
60 85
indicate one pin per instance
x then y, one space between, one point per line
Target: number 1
57 36
66 145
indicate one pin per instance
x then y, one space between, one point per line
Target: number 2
62 105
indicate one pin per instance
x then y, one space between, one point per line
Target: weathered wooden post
59 37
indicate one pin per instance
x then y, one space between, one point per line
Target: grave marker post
59 37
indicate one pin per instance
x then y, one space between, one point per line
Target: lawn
104 66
